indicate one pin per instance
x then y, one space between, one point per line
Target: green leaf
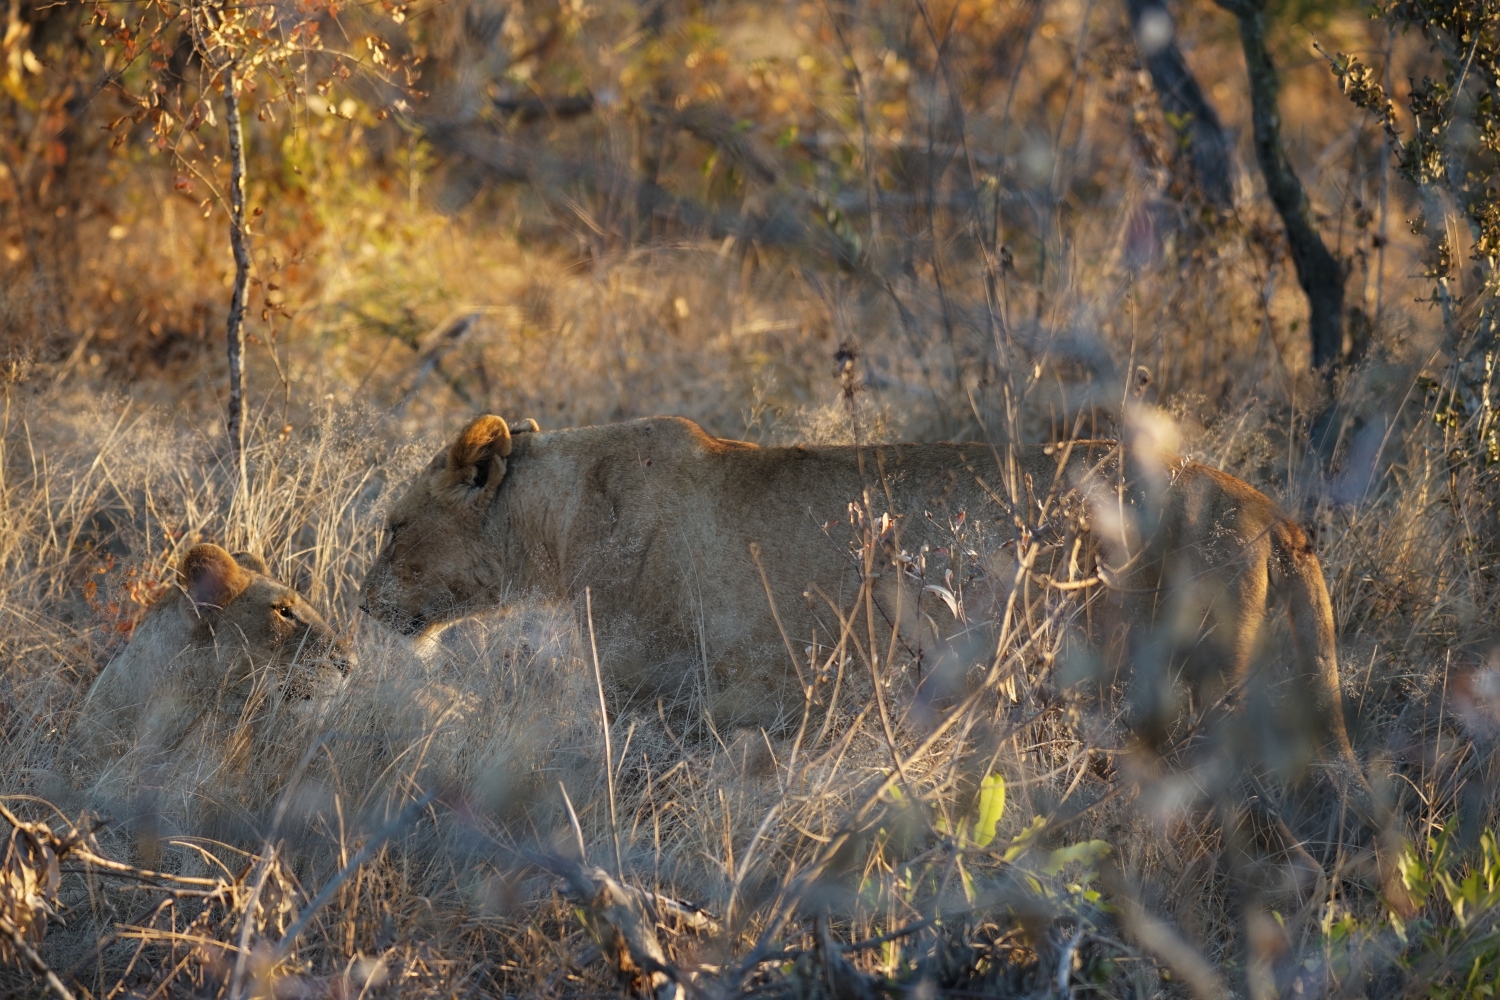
1472 888
1024 838
991 808
1415 874
1086 853
1399 926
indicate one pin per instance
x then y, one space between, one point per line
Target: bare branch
1319 272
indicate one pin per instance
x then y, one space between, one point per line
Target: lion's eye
286 612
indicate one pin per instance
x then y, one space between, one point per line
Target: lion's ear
210 577
485 436
252 562
477 459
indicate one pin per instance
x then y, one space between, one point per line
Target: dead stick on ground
1159 938
620 919
392 828
19 941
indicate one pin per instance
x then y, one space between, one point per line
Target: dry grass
422 834
796 840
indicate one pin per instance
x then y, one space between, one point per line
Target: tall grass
446 824
864 844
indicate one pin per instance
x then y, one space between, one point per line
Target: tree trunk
1319 272
240 244
1181 97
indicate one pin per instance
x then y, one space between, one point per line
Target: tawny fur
659 521
214 653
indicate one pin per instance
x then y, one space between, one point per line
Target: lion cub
230 646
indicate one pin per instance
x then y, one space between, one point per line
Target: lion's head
230 644
430 570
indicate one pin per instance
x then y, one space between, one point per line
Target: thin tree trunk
241 247
1183 98
1319 272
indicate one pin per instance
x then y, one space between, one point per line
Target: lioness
227 644
672 530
